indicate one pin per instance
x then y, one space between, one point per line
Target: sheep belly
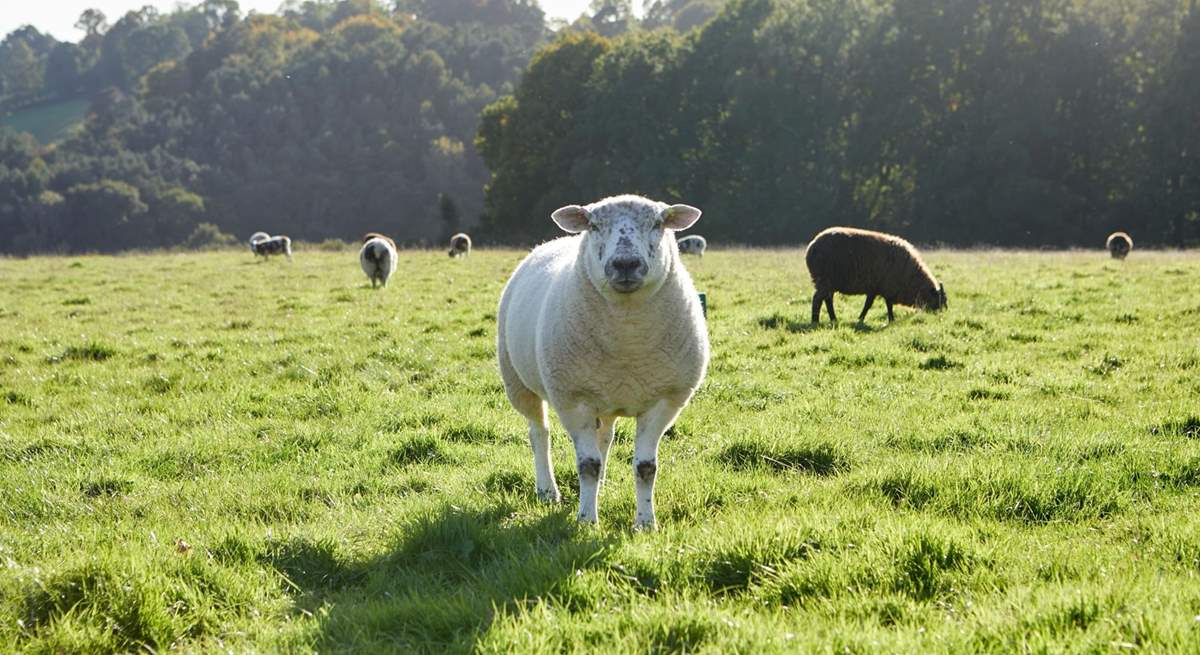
622 374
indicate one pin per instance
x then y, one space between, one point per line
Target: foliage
207 236
997 121
202 453
330 120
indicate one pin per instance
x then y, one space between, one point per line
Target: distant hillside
48 122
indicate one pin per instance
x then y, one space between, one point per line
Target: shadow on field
794 326
439 586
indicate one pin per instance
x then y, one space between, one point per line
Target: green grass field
200 453
48 122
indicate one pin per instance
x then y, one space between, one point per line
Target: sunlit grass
204 453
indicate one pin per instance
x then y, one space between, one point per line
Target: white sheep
460 244
378 259
279 245
693 245
604 324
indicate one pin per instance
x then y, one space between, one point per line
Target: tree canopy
1005 122
328 120
1009 122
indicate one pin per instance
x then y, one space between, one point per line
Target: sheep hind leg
829 307
533 408
891 316
822 296
867 307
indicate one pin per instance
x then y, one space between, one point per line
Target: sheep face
934 298
628 241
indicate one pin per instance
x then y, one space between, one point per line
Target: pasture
48 122
202 453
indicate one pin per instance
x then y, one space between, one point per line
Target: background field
48 122
1019 473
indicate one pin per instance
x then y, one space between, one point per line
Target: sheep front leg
605 432
650 428
589 460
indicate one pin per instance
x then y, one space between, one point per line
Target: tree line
1010 122
327 120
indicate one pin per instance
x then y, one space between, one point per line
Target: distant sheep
850 261
375 235
1119 244
693 245
460 244
602 324
378 259
280 245
258 236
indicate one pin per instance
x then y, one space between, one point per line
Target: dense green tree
529 141
972 121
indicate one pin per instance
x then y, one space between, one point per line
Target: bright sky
58 16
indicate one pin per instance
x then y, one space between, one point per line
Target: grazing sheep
853 262
1119 244
460 244
375 235
258 236
378 259
602 324
693 245
280 245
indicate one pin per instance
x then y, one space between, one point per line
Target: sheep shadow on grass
781 322
439 586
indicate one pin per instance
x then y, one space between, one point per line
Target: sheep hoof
549 496
587 521
645 526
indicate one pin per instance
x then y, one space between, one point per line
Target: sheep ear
680 217
572 218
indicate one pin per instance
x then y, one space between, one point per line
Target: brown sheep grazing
1119 244
850 261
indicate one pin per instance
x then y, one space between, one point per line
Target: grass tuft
820 459
419 450
93 352
1188 428
939 363
105 487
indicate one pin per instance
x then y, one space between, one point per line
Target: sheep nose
626 266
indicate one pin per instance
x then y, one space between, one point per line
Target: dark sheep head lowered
935 298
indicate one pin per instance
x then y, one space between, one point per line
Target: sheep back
1119 245
378 259
693 244
460 244
855 262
